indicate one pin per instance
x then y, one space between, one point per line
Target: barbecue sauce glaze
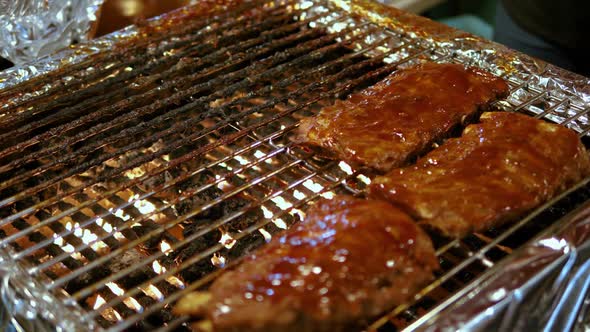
385 125
349 260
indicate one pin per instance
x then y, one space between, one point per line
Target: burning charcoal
244 246
198 270
154 241
204 266
137 275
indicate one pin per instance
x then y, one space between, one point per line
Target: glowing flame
119 236
227 241
63 245
107 227
153 292
241 160
259 154
328 195
226 166
58 240
218 260
88 236
175 282
267 236
345 167
144 206
133 304
267 213
280 223
159 269
99 301
364 179
223 185
115 288
165 247
281 203
120 214
299 195
117 315
315 187
297 212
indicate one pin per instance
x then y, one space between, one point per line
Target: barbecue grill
136 167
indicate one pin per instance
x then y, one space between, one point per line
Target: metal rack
145 171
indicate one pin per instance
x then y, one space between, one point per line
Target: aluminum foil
543 286
30 28
27 305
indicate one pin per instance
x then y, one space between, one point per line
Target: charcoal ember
249 242
211 238
196 225
156 319
153 242
197 180
198 270
155 181
273 229
243 246
232 205
135 276
219 211
86 279
189 204
196 247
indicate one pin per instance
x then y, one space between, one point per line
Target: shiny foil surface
30 29
543 285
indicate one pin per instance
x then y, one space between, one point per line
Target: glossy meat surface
496 171
400 117
349 260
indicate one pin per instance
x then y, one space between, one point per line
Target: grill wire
137 181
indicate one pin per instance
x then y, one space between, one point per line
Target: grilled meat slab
349 260
496 171
388 124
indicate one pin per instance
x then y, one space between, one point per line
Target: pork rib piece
388 124
349 260
496 171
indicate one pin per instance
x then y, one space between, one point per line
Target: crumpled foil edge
542 286
24 300
558 256
71 20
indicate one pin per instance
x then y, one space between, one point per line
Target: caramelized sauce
496 171
383 126
338 260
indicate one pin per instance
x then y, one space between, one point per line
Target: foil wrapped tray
30 29
541 286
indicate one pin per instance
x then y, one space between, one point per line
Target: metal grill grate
132 183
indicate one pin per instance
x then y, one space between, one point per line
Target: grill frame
426 38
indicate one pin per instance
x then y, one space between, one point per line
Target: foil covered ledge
27 305
543 286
